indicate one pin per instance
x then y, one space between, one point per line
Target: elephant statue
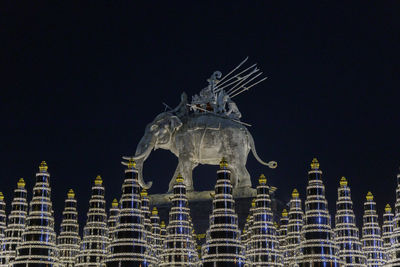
198 138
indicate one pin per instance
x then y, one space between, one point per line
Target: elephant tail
271 164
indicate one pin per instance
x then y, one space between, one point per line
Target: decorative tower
129 246
38 246
318 246
180 247
264 248
371 234
395 255
295 224
69 239
3 219
282 231
387 232
246 235
156 234
147 222
346 231
16 225
112 219
223 246
93 250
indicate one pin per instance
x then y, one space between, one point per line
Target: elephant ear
175 123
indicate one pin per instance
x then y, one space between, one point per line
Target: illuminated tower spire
282 232
129 246
295 224
318 247
93 250
395 253
346 231
147 222
113 218
156 234
387 232
179 248
371 234
16 225
246 235
223 246
69 239
38 246
264 248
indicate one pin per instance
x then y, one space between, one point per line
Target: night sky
80 83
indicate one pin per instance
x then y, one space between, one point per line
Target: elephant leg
234 175
243 177
185 168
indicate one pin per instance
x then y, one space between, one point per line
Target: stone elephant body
199 139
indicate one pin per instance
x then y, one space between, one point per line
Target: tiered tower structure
318 246
112 219
69 239
371 234
264 248
38 246
293 235
156 234
246 234
129 246
346 231
395 255
223 246
3 218
147 222
16 225
93 250
179 245
282 231
387 233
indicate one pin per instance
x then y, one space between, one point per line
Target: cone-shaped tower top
144 193
388 208
369 196
1 196
43 166
284 213
179 178
98 180
21 183
154 211
223 164
262 179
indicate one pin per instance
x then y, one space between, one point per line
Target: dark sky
80 83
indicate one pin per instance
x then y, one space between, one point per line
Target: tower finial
154 211
21 183
223 163
114 204
369 196
284 213
179 178
98 180
1 196
295 193
162 224
262 179
71 194
343 181
131 164
253 203
144 193
314 164
43 166
388 208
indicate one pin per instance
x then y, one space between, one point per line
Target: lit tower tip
369 196
43 166
21 183
114 204
143 193
71 194
179 178
162 224
223 164
1 196
388 208
262 179
98 180
314 164
154 211
284 213
295 193
343 181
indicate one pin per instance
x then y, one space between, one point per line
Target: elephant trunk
143 151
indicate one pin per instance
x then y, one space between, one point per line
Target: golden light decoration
98 180
21 183
314 164
43 166
71 193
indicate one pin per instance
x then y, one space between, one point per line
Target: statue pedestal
200 204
